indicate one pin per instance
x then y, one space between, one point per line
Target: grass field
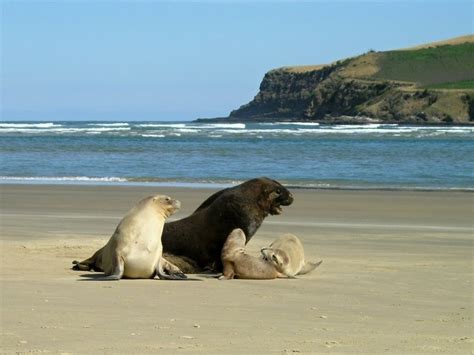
460 85
428 66
440 65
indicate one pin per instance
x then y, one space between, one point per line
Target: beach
396 277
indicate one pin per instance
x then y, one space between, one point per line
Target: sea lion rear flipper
92 263
168 271
183 263
308 267
81 266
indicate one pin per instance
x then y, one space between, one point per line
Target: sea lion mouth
286 201
276 210
176 205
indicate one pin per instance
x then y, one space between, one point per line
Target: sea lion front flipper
118 267
308 267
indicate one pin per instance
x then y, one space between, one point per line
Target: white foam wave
96 130
162 125
215 126
362 126
153 135
224 125
118 124
188 130
63 178
29 125
289 123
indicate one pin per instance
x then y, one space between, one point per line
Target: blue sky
157 60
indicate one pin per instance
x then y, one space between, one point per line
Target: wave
118 124
224 125
162 125
29 125
212 130
215 126
61 129
289 123
153 135
61 178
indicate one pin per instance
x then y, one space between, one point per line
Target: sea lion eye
278 191
167 199
275 259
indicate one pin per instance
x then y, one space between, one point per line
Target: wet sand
397 277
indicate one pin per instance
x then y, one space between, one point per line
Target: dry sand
397 277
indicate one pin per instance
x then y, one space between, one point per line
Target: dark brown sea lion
194 243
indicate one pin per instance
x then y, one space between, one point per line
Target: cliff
427 84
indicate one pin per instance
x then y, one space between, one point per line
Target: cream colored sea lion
237 264
287 254
135 249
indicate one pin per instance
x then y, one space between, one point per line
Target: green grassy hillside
427 66
459 85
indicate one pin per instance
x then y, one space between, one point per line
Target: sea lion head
273 195
277 257
166 204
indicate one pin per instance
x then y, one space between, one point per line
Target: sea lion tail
308 267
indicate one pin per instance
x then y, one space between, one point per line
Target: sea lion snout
167 204
288 200
173 206
282 197
176 204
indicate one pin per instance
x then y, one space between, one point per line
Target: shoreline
113 181
396 278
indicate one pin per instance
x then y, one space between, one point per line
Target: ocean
298 154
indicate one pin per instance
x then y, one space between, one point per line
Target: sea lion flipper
109 278
118 267
81 266
168 271
308 267
92 263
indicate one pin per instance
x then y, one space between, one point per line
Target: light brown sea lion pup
135 249
237 264
287 254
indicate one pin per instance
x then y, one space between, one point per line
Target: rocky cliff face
327 95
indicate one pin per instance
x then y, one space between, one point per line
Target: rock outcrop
365 88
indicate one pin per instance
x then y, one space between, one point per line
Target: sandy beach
396 277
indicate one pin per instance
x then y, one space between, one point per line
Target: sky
180 60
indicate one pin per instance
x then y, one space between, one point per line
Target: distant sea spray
304 154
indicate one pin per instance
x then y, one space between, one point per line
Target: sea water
298 154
